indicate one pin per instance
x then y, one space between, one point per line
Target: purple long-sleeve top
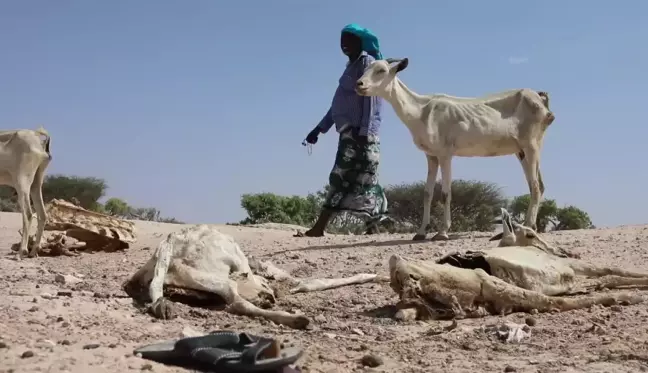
350 109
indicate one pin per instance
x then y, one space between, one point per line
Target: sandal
224 352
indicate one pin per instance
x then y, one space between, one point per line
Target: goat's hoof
162 309
441 237
418 237
300 322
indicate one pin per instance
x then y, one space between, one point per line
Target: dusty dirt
92 326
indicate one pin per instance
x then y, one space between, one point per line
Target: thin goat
443 126
24 156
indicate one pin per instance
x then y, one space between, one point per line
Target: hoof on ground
162 309
300 322
418 237
440 237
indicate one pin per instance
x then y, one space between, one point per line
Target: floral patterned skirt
353 182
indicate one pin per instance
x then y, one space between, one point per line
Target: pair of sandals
224 351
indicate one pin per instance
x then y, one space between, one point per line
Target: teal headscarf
369 40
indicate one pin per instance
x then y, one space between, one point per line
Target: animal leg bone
332 283
240 306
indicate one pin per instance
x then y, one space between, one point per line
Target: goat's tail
42 131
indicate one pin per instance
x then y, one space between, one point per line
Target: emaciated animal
24 156
443 126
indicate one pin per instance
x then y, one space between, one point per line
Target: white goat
24 156
443 126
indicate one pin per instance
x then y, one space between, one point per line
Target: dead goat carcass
506 278
201 266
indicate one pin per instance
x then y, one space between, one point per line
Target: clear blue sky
185 105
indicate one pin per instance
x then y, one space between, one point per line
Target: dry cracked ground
52 326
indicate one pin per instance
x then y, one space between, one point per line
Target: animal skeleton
443 126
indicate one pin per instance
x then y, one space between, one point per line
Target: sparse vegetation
85 192
475 207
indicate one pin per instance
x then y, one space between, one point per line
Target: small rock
357 331
33 309
45 343
66 279
27 354
509 369
534 311
372 361
530 321
47 296
101 295
112 345
59 319
91 346
320 318
3 345
616 308
147 366
64 294
65 324
65 342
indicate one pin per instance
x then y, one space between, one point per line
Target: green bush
549 214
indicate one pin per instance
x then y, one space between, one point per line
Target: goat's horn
497 237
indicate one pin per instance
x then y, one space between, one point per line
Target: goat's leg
161 307
22 189
590 270
241 306
446 198
530 165
39 205
332 283
428 194
506 298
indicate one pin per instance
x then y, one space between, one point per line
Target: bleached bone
437 290
24 157
306 286
443 127
271 272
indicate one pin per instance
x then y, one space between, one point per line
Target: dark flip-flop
224 352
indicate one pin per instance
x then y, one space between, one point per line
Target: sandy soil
92 326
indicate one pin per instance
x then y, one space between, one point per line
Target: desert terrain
49 325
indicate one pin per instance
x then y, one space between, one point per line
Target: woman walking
353 182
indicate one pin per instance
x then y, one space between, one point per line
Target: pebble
530 321
66 279
64 293
509 369
91 346
372 361
27 354
65 342
147 366
33 309
3 345
47 296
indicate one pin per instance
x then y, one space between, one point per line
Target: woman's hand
311 138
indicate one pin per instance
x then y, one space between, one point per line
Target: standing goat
443 126
24 156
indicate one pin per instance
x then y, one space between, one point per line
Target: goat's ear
497 236
402 65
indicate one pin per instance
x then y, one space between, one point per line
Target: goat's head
515 234
379 76
256 290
